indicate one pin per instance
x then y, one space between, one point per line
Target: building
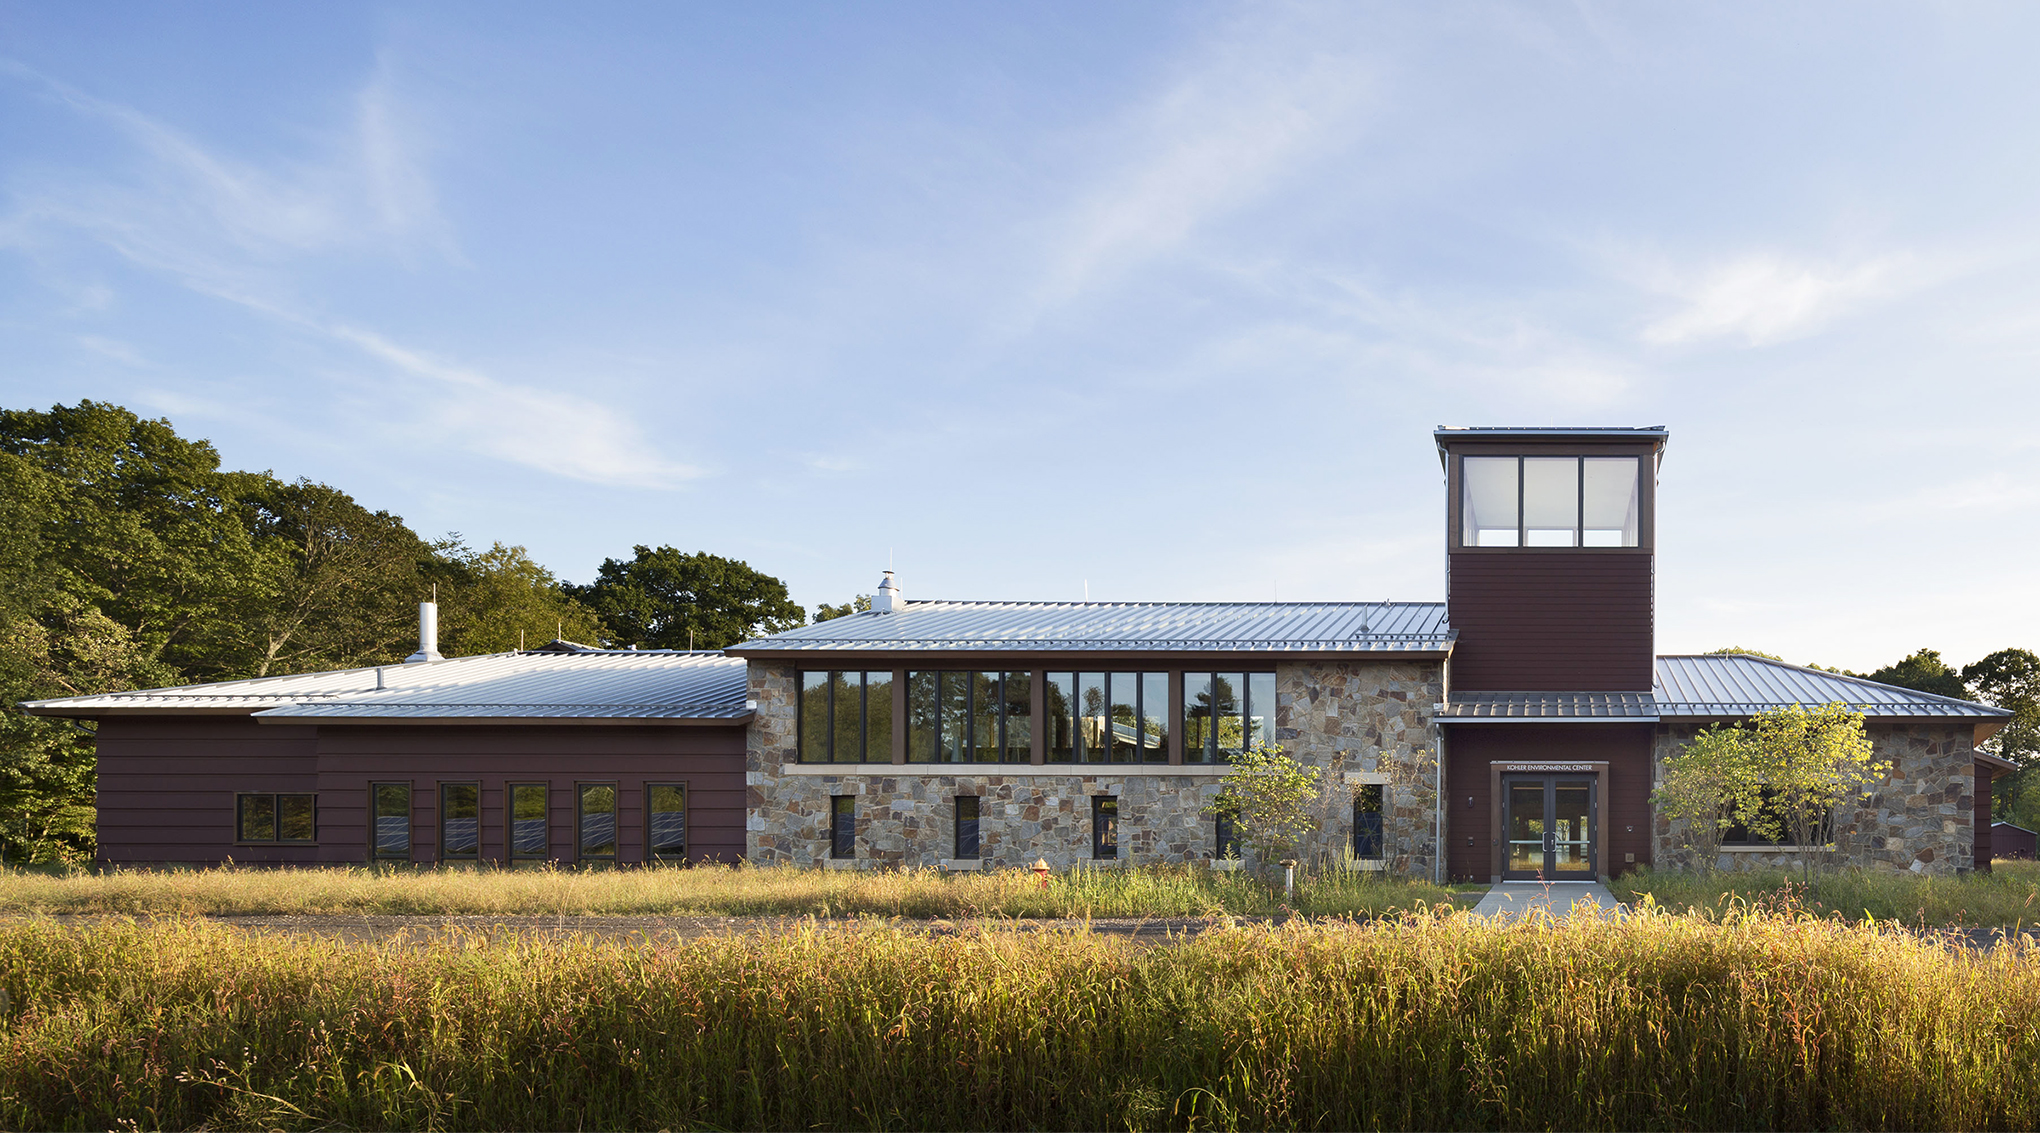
2011 843
1512 731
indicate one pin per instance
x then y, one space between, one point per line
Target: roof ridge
1831 674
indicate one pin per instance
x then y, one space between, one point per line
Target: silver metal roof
1300 627
1737 684
1640 432
595 685
1637 707
1713 686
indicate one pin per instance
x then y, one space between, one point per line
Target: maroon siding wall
2009 843
709 760
167 786
1471 748
1983 851
1551 621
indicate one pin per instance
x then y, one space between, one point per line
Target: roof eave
518 721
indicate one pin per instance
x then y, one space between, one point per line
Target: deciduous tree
667 599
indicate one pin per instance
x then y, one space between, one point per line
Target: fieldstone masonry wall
1368 718
1921 818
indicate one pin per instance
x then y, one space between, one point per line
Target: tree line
130 559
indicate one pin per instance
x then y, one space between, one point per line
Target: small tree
1268 796
1702 785
1806 763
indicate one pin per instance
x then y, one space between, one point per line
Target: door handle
1550 841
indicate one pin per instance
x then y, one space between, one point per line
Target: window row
954 716
527 822
1550 501
968 815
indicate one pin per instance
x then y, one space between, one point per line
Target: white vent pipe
428 634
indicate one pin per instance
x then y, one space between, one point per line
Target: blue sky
1162 300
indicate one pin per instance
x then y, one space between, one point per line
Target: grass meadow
1432 1020
1161 892
2006 897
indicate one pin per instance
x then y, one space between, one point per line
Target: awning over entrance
1570 707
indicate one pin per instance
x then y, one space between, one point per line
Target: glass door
1550 823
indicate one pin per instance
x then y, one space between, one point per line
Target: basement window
275 818
1367 823
843 827
845 717
1104 827
967 843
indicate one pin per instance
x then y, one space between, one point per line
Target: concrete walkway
1518 898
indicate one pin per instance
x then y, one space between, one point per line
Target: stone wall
1921 818
1358 721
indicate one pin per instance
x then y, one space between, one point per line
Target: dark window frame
968 844
581 789
1104 828
842 827
1645 502
275 818
828 721
1738 835
439 824
1370 845
1170 716
652 854
1211 754
1227 837
1001 681
510 850
375 817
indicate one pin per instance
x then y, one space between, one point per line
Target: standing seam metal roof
643 684
1716 685
1342 627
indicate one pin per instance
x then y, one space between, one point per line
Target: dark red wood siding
1551 621
1472 748
709 760
1981 818
167 786
2009 843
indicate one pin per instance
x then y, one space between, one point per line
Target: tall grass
1184 891
1429 1021
2006 897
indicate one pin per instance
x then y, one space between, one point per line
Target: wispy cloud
1767 297
1262 99
237 229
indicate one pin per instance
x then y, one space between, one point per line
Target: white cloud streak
233 230
1763 298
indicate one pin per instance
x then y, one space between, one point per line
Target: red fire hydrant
1041 871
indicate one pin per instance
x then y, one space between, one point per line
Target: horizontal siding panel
1541 622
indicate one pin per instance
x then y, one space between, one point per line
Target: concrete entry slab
1521 898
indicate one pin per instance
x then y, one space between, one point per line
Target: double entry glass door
1551 823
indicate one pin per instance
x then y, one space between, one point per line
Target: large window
391 806
275 818
846 717
460 821
1549 501
969 717
530 824
595 822
666 815
1228 837
1225 713
1108 717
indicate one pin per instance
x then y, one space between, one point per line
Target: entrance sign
1550 767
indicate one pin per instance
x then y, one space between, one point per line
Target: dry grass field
1434 1021
708 891
2008 897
